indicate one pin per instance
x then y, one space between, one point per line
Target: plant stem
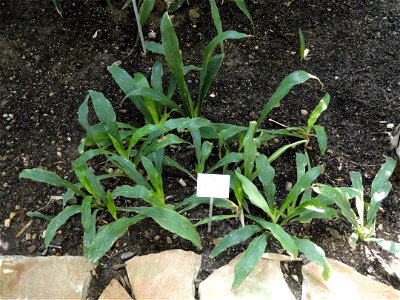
210 214
139 25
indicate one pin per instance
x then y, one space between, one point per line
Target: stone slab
114 291
166 275
265 282
344 283
52 277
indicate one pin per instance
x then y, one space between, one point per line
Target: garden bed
49 63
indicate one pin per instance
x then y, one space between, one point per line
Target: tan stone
166 275
64 277
114 291
265 282
344 283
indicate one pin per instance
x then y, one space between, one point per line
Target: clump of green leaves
298 206
363 218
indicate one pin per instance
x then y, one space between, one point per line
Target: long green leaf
58 221
154 176
105 113
89 233
175 62
249 259
380 187
282 149
207 79
390 246
217 21
249 150
129 169
235 237
83 113
301 185
156 76
155 95
254 195
173 222
356 181
322 138
172 163
321 107
86 216
193 201
302 44
107 236
229 158
266 175
340 200
315 254
242 5
49 177
285 239
163 142
137 192
283 89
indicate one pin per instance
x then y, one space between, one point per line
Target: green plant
302 45
298 206
363 218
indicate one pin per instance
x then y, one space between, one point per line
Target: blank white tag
212 185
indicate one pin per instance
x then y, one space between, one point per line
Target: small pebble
169 240
304 112
182 182
390 126
5 115
32 248
7 223
34 236
295 277
68 139
59 154
127 255
152 34
12 215
212 95
17 207
51 94
216 241
157 238
28 236
288 186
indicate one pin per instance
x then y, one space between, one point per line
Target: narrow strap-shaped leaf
169 139
285 239
107 236
58 221
49 177
249 149
89 233
206 148
302 162
283 89
175 5
266 175
356 181
282 149
106 114
235 237
38 214
154 176
111 206
254 195
302 44
129 169
175 62
229 158
83 113
172 163
173 222
215 218
340 200
156 76
217 21
390 246
156 96
155 47
302 184
249 259
321 107
86 216
380 187
193 201
242 5
137 192
315 254
322 138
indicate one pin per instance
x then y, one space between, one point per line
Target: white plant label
212 185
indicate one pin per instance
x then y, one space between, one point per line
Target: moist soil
48 63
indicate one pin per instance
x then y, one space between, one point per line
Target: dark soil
48 63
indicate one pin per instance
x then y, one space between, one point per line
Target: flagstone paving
52 277
171 275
